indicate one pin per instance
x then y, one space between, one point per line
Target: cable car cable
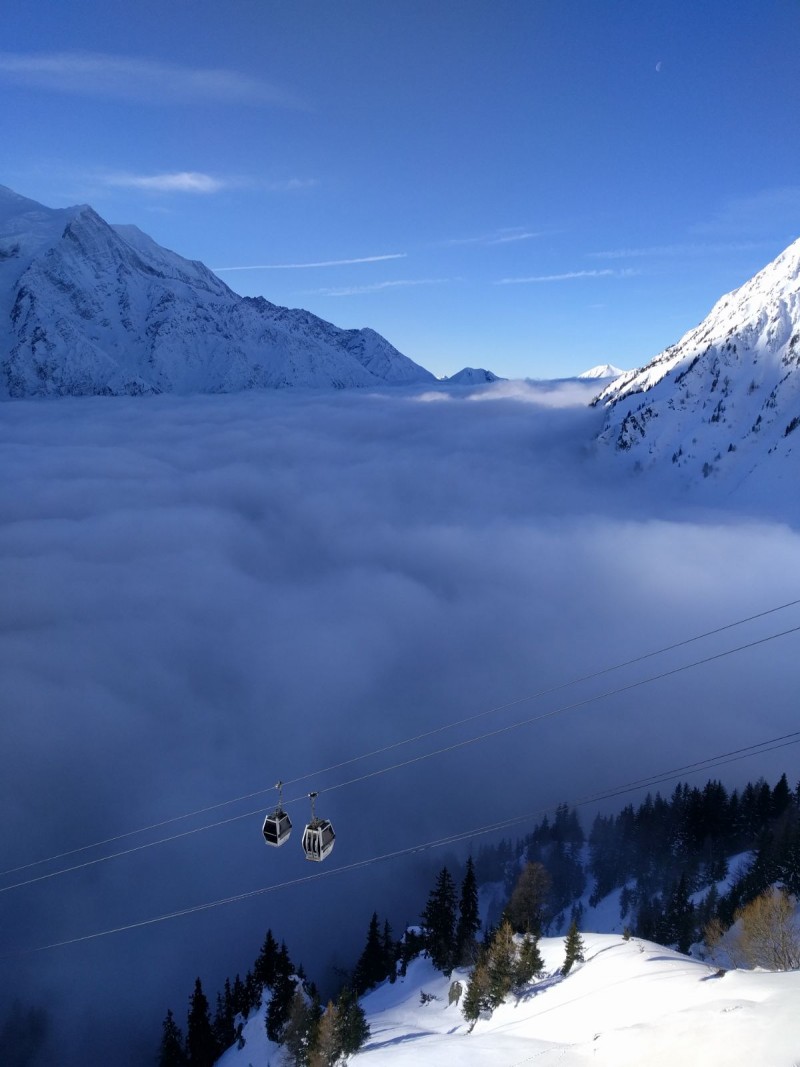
415 759
408 740
655 779
547 692
560 710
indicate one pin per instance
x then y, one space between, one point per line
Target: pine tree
439 918
224 1031
283 964
201 1046
573 948
352 1028
477 999
371 967
678 923
279 1007
412 944
500 963
171 1053
297 1031
252 993
529 963
390 952
239 998
283 987
265 968
781 797
468 918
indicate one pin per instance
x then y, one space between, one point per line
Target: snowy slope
88 308
727 395
631 1003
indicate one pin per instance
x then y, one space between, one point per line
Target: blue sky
534 187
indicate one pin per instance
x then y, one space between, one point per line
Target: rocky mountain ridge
88 308
729 385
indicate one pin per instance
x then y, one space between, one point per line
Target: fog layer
201 596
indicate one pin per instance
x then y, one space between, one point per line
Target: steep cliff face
727 395
87 308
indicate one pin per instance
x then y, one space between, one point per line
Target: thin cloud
189 181
568 276
400 283
695 249
185 181
137 78
322 263
499 237
509 238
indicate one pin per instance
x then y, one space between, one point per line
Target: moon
658 66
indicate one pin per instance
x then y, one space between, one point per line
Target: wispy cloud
677 250
192 181
375 287
138 78
322 263
508 235
185 181
568 276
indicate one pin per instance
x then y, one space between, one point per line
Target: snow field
630 1003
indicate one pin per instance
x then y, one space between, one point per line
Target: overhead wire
390 747
414 759
657 778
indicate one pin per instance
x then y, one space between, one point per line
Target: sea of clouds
203 595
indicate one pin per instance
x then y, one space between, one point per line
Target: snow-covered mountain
631 1003
728 393
604 370
88 308
473 376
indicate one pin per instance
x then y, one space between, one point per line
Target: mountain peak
604 370
730 385
89 308
473 376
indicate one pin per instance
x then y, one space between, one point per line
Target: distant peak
473 376
604 370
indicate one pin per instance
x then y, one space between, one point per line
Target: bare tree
767 932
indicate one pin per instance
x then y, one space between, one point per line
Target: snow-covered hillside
631 1003
87 308
727 395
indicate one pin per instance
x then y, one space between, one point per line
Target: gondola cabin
318 839
277 825
277 828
